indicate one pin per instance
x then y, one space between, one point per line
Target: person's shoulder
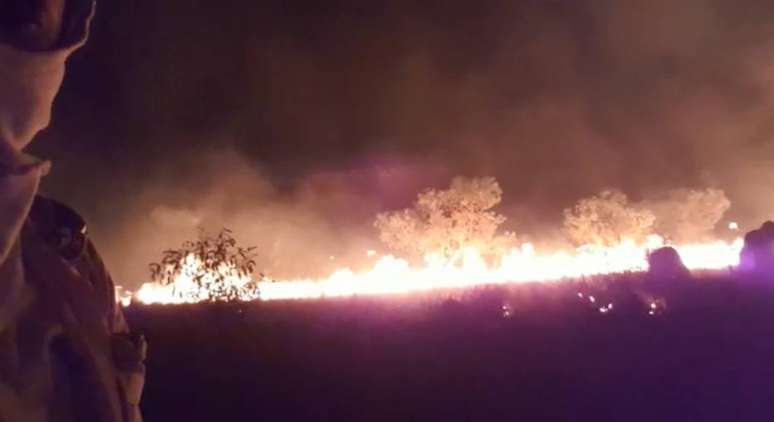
65 231
60 226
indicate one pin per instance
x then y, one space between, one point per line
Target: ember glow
393 275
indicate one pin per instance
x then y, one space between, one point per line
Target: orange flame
392 275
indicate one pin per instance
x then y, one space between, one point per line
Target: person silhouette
66 352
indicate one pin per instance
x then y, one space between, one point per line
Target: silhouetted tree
212 267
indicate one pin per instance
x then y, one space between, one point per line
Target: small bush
212 268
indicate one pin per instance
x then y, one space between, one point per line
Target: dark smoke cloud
302 119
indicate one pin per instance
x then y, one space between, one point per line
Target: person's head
36 37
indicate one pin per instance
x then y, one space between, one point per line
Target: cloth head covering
29 82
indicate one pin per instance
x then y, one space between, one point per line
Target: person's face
30 74
28 84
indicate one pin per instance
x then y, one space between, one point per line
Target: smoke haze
294 123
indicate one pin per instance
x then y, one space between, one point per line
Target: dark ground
707 355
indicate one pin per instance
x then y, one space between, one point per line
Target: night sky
293 122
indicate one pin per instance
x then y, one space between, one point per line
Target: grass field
534 352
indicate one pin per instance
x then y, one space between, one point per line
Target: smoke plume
329 114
